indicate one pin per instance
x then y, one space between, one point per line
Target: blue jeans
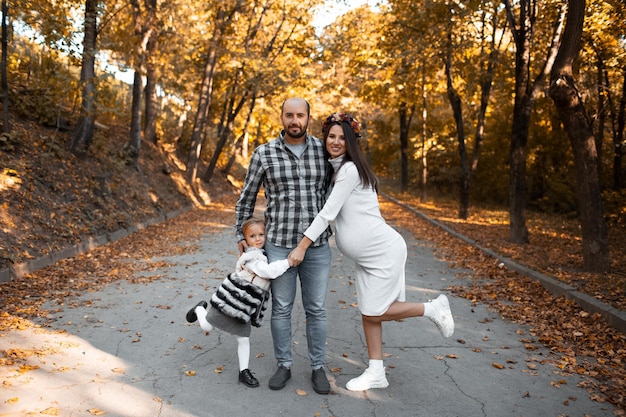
313 272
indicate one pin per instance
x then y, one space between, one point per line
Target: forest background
461 105
502 104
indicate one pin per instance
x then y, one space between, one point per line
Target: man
294 174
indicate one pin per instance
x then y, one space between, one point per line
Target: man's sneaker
320 382
280 378
443 315
248 379
191 314
368 380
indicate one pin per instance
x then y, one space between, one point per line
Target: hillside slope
51 199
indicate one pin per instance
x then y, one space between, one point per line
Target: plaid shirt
295 190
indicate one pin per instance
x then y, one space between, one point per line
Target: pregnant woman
378 250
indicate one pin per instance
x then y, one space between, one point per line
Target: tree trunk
579 129
424 141
618 139
525 95
405 123
227 129
243 137
206 90
134 144
84 131
6 127
145 31
601 112
487 75
150 97
457 110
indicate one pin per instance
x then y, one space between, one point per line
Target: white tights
243 343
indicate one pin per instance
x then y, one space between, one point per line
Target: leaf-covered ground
50 199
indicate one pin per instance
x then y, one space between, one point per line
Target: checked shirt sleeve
247 199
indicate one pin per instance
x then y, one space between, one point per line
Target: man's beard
298 135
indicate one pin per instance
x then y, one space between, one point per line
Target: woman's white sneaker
443 315
368 380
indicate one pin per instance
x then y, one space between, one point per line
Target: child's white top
252 266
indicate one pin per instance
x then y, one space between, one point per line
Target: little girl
239 302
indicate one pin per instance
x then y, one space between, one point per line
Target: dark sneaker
320 382
247 378
191 314
280 378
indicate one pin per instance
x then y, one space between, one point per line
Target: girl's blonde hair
251 221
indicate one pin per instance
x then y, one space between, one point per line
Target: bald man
295 177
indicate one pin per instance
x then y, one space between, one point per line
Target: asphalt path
127 351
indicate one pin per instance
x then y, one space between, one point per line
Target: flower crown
341 117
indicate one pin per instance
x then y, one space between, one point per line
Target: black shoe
280 378
191 314
320 382
247 378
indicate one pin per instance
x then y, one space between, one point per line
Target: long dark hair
353 148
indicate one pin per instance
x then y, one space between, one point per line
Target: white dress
362 235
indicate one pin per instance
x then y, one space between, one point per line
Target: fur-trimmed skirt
228 324
240 300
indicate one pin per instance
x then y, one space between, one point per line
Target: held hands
296 256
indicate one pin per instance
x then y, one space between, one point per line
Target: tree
223 18
84 131
144 19
406 115
6 127
619 142
150 96
580 131
526 93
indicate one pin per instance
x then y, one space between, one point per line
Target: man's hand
243 246
296 256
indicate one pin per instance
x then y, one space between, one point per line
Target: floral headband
341 117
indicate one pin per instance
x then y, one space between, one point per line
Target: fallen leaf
96 412
497 365
301 392
25 368
192 373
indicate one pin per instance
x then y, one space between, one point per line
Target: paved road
127 351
